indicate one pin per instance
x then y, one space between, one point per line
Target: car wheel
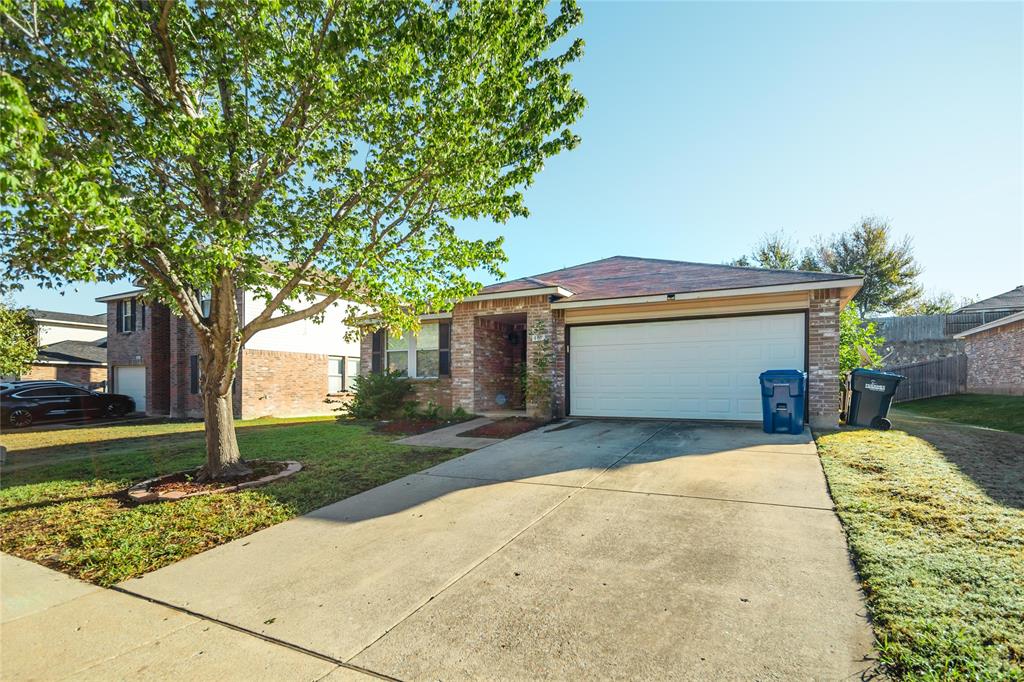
20 418
881 423
116 410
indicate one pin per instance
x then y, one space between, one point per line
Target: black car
25 402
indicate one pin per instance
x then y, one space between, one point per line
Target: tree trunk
223 459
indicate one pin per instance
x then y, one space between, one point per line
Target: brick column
539 319
823 358
463 358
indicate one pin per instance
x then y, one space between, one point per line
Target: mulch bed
410 427
504 428
184 482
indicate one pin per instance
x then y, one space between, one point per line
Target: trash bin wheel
881 423
842 416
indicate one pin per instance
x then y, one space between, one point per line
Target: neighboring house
630 337
995 355
983 312
293 370
72 348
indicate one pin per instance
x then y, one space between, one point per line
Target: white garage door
131 381
682 369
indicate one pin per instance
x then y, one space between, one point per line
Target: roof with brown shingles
624 276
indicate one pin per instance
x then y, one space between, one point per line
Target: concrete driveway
599 549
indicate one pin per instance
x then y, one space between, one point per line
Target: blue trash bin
782 400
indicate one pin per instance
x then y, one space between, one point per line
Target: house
628 337
72 348
985 311
292 370
995 355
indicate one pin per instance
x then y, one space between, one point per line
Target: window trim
346 376
412 370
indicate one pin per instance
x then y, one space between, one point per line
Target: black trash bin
782 400
871 395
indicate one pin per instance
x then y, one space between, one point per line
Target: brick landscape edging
140 492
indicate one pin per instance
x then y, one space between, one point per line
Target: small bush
379 396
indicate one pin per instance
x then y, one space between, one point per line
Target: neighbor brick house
629 337
72 348
298 369
995 356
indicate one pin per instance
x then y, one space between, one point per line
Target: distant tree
934 304
18 340
888 266
859 341
775 251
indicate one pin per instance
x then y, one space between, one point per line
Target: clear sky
710 124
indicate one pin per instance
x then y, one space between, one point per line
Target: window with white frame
415 355
351 373
205 299
126 315
342 373
335 374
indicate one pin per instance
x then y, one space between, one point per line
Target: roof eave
848 288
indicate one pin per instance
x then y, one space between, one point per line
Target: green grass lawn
935 522
1005 412
53 510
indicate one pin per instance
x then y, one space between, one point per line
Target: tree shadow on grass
994 460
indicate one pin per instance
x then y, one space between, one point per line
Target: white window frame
346 376
126 316
412 371
348 383
333 360
205 302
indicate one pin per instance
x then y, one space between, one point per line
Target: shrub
379 396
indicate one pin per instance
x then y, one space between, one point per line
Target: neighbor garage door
680 369
131 381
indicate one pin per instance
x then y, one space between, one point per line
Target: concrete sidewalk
449 437
54 627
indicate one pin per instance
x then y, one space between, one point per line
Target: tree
935 304
18 340
888 267
775 251
310 152
858 341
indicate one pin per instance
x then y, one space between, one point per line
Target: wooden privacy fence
945 376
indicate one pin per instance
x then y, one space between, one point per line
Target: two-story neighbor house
291 370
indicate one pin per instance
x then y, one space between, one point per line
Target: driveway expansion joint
258 635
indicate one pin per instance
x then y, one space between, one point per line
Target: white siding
304 336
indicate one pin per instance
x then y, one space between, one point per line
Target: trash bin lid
861 371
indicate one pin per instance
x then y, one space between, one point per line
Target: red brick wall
823 358
995 360
147 346
183 344
437 391
495 358
89 376
281 384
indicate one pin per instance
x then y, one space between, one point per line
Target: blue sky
710 124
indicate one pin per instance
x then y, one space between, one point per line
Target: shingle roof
622 276
37 314
1009 300
75 351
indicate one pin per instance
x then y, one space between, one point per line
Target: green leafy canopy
18 340
303 150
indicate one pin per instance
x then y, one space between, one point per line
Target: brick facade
283 384
89 376
995 360
148 345
823 358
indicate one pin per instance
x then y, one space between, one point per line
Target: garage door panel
685 369
131 381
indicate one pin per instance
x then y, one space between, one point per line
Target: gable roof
80 352
629 276
1008 300
76 318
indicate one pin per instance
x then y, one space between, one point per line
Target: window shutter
142 315
377 352
193 362
133 315
120 316
444 347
